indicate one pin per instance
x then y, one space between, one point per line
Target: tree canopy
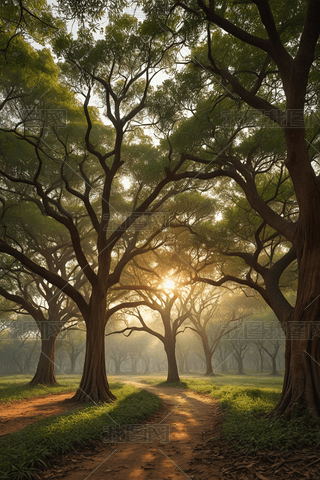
192 129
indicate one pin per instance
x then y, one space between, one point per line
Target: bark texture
94 386
45 370
173 374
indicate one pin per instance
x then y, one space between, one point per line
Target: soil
193 450
19 414
192 419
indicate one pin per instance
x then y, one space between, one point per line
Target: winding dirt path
193 420
193 450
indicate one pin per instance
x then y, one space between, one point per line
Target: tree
222 354
77 181
204 316
22 22
272 54
154 281
272 350
50 321
29 293
262 52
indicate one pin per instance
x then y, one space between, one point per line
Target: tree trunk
208 356
45 370
173 375
239 360
301 385
302 380
274 365
94 386
302 357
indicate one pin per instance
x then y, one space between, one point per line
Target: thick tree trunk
45 370
94 386
208 356
173 375
302 357
301 384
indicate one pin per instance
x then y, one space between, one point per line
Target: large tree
77 175
266 55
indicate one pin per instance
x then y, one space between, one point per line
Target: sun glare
126 182
168 284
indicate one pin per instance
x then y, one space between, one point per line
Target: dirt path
18 415
192 419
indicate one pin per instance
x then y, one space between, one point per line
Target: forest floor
193 449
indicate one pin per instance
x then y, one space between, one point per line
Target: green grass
248 380
24 452
245 401
14 388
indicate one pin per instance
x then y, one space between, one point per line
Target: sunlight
126 182
168 284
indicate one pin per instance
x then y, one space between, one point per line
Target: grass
14 388
22 453
253 380
245 401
